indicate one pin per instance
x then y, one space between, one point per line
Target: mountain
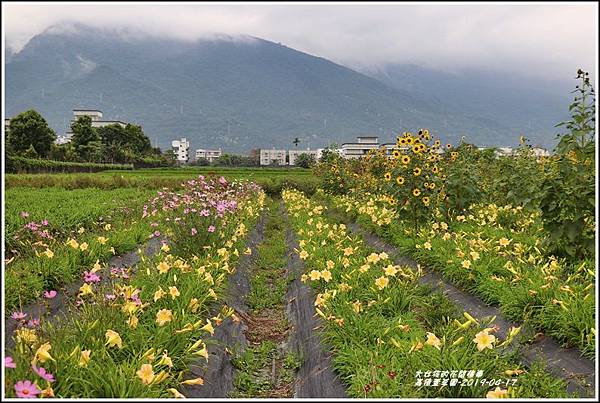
531 106
240 92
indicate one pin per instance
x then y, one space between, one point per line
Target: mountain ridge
236 94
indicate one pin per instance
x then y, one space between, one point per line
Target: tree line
29 135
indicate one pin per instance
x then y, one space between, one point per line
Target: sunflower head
417 171
396 154
405 159
416 192
388 176
400 180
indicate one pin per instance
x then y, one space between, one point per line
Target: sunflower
402 141
436 143
405 159
421 147
425 200
416 149
432 186
396 153
448 146
420 132
400 180
454 154
435 169
417 171
409 140
416 192
388 176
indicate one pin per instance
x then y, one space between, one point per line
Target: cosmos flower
26 390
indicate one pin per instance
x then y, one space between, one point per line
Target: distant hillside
240 93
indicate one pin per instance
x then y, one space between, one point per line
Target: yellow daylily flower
433 340
382 282
84 358
146 374
484 340
113 339
163 316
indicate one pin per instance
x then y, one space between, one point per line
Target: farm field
432 271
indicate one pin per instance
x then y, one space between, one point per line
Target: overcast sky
552 40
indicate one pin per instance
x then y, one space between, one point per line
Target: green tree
305 160
83 135
29 129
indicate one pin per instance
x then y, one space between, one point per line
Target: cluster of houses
282 157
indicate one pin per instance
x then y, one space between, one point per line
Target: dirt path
566 363
229 336
315 377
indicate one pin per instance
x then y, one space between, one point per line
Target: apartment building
210 155
181 148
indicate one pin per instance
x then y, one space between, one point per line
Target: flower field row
495 252
137 334
51 240
390 335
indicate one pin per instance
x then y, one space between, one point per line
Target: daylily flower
163 267
176 393
102 240
433 340
42 354
484 340
303 255
146 374
326 275
163 316
208 327
195 381
73 243
174 292
84 358
166 360
83 246
382 282
315 275
497 393
113 339
49 253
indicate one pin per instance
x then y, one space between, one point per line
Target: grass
266 368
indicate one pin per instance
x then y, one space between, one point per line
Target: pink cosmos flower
44 222
91 277
156 233
50 294
9 363
24 214
205 213
211 228
42 373
26 389
18 315
222 181
194 231
110 297
33 322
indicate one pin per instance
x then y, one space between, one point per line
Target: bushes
16 164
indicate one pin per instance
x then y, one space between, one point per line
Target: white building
181 149
210 155
96 117
362 146
540 152
273 157
62 139
293 154
97 121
